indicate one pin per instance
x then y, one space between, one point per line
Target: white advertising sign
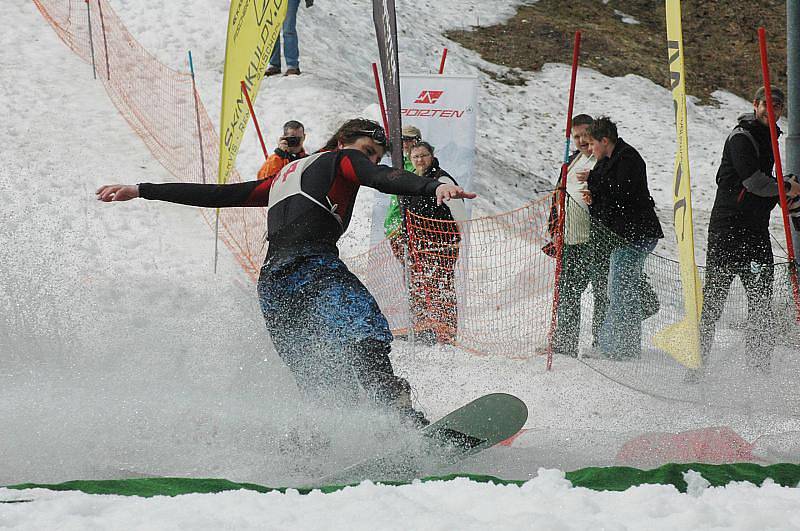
444 109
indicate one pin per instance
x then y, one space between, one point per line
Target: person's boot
414 418
272 71
402 403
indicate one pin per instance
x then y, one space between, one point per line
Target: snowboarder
323 321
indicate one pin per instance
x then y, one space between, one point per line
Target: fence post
762 41
255 120
91 42
562 191
105 40
197 117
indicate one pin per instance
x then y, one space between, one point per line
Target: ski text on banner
253 28
681 340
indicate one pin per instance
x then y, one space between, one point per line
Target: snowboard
470 429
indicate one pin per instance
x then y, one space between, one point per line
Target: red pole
773 132
562 189
255 120
380 97
441 65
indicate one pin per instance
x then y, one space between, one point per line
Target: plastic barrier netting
492 293
162 107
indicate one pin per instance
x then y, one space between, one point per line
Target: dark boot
376 375
272 71
402 403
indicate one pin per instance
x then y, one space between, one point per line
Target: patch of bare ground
629 37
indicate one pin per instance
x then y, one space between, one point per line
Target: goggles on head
379 137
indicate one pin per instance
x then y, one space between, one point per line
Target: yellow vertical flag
682 340
253 28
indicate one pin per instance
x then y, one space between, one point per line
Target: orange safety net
484 285
162 107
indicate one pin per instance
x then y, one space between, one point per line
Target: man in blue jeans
619 199
291 50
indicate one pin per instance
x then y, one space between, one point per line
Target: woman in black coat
434 241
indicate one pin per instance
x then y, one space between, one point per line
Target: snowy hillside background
123 353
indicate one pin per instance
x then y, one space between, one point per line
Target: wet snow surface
123 353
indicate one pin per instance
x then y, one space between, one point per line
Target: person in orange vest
290 148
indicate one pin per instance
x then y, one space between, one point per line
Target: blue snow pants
327 328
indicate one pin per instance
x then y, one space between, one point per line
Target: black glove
309 3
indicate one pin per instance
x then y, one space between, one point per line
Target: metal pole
105 40
793 96
91 42
197 118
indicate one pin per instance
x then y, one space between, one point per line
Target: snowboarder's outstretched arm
358 168
251 193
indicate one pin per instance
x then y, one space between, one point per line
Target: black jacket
310 201
426 206
746 190
620 197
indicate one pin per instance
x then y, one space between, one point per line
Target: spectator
738 232
394 217
291 49
618 197
577 257
290 148
434 252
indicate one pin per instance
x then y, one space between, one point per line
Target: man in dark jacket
738 231
619 199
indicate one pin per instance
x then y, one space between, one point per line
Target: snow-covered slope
120 348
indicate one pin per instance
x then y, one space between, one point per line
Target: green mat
596 478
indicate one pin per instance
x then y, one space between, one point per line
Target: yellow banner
682 340
253 28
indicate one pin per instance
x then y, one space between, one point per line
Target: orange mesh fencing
162 107
484 285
